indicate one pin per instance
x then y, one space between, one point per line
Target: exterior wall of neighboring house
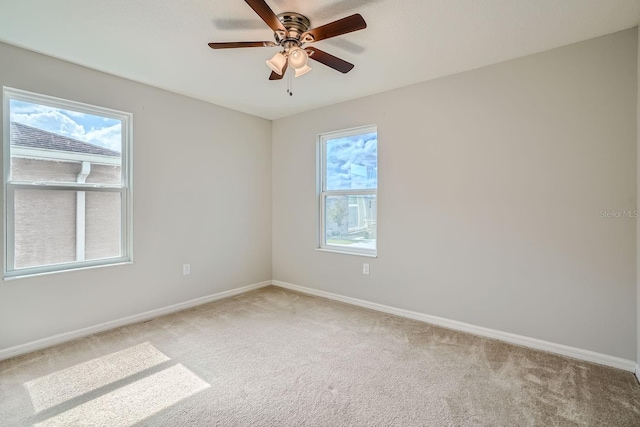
102 225
45 221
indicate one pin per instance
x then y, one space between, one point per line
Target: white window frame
323 193
125 188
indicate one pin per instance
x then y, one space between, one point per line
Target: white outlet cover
365 268
186 269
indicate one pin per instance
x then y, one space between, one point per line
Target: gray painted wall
492 183
202 195
491 187
638 207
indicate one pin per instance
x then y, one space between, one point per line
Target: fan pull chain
289 91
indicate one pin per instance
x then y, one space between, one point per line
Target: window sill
345 252
66 270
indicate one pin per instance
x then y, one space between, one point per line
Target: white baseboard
564 350
68 336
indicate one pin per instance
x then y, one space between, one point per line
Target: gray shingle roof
27 136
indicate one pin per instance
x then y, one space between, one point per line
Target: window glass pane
23 169
50 144
45 227
77 146
60 226
351 162
350 221
102 225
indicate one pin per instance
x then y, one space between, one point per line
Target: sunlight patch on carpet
135 402
59 387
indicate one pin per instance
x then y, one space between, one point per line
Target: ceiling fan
292 33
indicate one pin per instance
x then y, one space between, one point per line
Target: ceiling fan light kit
277 63
302 70
298 57
291 33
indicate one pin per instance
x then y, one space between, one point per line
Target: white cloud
53 120
27 108
108 137
74 113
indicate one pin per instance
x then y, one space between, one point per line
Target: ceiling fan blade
329 60
276 76
267 15
231 45
337 28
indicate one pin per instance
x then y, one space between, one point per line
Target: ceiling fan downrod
296 25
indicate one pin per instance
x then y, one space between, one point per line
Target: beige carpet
278 358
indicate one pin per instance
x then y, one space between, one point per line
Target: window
67 181
348 176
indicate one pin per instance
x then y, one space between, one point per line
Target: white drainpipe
81 212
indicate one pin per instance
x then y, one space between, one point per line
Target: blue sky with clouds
97 130
352 162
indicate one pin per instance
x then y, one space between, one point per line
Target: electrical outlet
186 269
365 268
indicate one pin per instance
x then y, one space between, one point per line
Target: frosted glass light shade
277 63
302 70
298 57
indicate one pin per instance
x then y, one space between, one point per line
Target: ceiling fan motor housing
291 32
296 24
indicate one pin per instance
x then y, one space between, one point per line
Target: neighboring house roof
27 136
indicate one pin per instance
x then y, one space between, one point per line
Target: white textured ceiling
163 43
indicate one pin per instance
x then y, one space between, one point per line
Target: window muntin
348 191
67 177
